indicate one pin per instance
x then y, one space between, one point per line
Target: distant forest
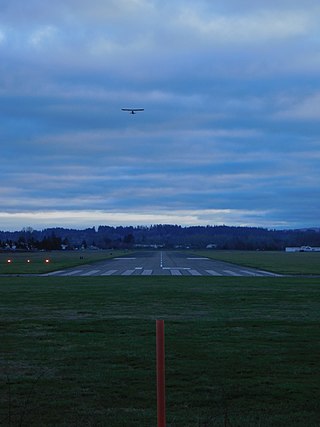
165 236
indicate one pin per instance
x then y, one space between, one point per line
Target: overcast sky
230 133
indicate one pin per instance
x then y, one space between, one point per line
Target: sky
230 133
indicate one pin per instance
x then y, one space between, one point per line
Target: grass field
81 351
304 263
43 262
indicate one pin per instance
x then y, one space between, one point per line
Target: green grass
81 351
57 260
304 263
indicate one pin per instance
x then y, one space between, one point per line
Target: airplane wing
132 109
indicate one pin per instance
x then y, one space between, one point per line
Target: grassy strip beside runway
304 263
43 262
81 351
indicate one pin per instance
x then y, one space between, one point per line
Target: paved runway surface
156 263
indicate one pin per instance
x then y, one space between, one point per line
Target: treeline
166 236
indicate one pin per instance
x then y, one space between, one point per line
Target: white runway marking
176 268
146 273
123 259
90 273
71 273
268 273
175 272
230 272
53 273
195 273
213 273
127 273
251 273
199 258
109 272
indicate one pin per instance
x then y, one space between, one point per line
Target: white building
303 249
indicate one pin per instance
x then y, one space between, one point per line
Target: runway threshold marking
53 273
195 273
72 273
213 273
109 272
90 273
175 272
250 273
146 273
230 272
268 273
127 273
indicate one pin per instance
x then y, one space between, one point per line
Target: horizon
96 227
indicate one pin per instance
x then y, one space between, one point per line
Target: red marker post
161 392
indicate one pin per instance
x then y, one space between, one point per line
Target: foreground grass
43 262
81 351
304 263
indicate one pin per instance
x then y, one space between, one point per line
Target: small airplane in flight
132 110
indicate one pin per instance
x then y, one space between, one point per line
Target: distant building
303 249
148 246
211 246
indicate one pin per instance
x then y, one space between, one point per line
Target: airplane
132 110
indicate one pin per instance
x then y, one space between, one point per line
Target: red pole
161 393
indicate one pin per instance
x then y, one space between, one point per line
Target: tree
128 240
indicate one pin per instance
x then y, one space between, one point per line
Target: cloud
301 108
91 218
2 36
251 28
230 122
42 36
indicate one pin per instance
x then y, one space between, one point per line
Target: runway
164 263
